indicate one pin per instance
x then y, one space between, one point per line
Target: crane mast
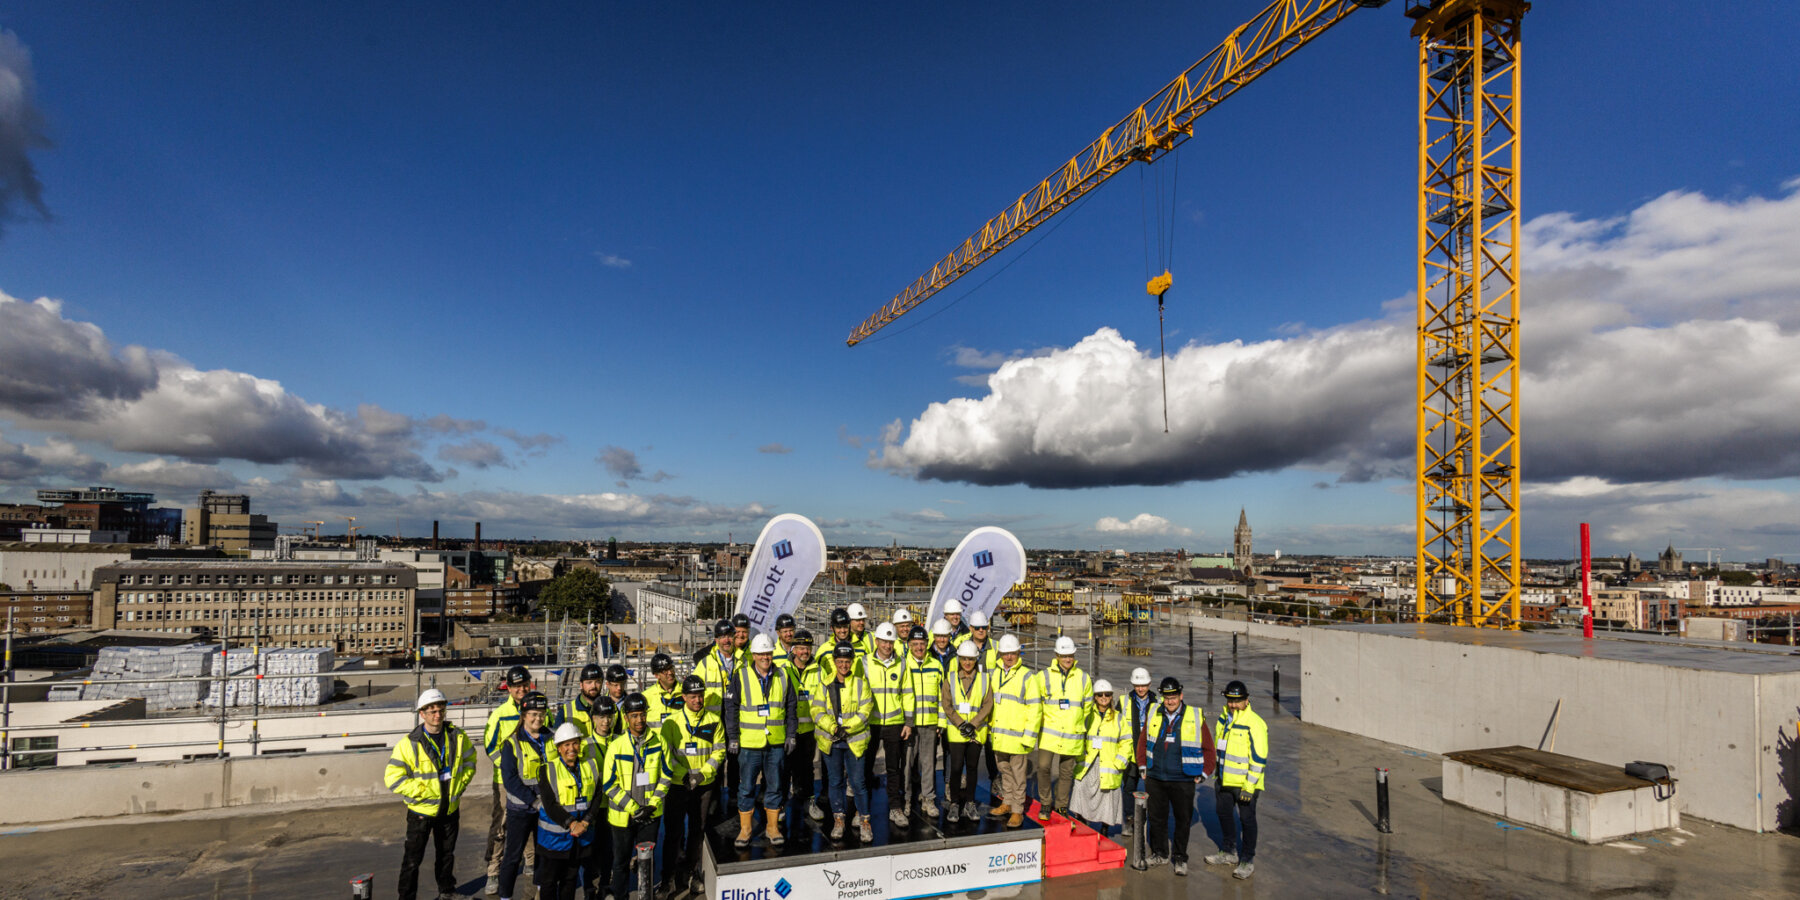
1467 409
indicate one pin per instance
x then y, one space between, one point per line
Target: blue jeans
839 764
766 761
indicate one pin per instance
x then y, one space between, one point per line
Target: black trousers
799 786
596 863
1227 802
624 853
685 813
558 876
962 770
520 825
1166 798
887 737
441 830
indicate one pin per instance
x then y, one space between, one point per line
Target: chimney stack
434 538
478 535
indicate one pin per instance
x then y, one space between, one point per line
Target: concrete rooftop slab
1712 656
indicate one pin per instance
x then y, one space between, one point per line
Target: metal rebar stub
1382 823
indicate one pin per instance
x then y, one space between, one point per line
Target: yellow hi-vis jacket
1109 744
1243 741
695 742
924 679
989 659
714 670
1068 700
636 775
761 711
887 682
841 709
422 776
663 702
577 711
501 723
825 649
1018 709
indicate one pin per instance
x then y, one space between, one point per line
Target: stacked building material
117 670
273 691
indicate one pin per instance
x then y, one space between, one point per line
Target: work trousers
684 826
923 784
558 877
799 770
624 853
520 826
496 842
1243 803
441 830
1131 786
766 762
1170 798
962 770
887 739
995 797
842 766
1062 769
1012 778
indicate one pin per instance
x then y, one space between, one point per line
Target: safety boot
1001 811
743 835
773 830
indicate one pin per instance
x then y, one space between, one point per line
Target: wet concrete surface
1318 837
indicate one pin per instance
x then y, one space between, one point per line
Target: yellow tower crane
1467 410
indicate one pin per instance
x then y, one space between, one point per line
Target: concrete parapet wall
59 794
1253 629
1724 724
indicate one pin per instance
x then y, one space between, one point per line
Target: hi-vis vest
636 776
577 789
1109 743
1018 712
576 710
696 742
887 682
806 682
1243 741
989 659
1187 737
762 710
718 677
1068 699
924 688
528 760
846 716
968 703
662 703
417 772
831 643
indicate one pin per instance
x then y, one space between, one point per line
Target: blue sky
627 241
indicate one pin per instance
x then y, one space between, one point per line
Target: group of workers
579 785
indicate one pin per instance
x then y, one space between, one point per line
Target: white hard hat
1140 676
942 627
1008 644
857 612
967 651
1065 646
1103 687
978 619
762 644
885 632
953 605
902 617
429 697
566 732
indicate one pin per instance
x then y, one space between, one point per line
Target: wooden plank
1552 768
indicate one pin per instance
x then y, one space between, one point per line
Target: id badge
444 777
763 710
642 779
965 709
1170 740
580 808
1095 742
1065 702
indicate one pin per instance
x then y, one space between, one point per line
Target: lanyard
764 681
688 717
432 750
576 772
1169 723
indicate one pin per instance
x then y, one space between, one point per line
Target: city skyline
415 267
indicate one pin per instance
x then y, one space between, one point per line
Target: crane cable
1165 251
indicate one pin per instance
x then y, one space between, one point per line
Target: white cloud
613 261
55 458
1658 346
166 474
474 452
1141 524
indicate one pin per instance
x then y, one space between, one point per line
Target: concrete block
1545 805
1612 816
1581 817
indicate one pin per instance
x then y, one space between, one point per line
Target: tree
715 606
578 593
904 572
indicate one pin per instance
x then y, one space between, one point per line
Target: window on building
29 752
